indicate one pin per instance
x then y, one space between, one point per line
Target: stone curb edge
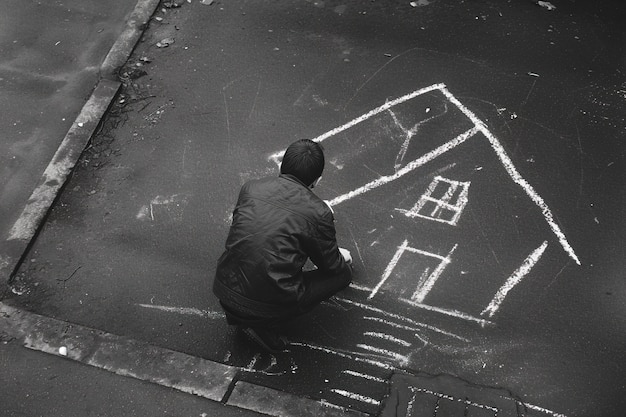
132 358
54 177
128 39
77 138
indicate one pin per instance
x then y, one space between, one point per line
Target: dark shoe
269 340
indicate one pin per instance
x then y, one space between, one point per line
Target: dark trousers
318 287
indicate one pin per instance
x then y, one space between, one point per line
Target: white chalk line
276 156
515 279
389 269
479 125
430 281
541 409
422 291
360 287
475 404
364 376
348 355
453 313
443 203
354 396
185 310
402 359
401 318
514 174
451 398
393 324
411 166
388 337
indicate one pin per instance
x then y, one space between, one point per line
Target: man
279 223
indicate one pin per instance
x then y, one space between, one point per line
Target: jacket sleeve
323 249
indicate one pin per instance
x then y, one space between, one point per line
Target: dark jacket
277 224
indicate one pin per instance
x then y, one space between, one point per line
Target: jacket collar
292 178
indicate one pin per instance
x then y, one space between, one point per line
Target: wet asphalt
524 291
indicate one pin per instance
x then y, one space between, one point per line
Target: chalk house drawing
447 208
387 339
443 202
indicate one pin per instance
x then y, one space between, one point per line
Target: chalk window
443 201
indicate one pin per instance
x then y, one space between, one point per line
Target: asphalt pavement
475 162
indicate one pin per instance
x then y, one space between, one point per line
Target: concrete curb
77 138
128 39
54 177
132 358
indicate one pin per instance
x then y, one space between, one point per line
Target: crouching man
279 223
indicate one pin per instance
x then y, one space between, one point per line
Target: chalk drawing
360 287
409 133
468 402
364 376
444 210
253 362
355 356
277 156
541 409
186 311
515 175
402 318
357 397
402 359
424 285
408 168
453 313
267 369
173 206
388 337
514 279
465 401
389 269
479 127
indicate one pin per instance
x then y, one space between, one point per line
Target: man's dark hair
304 159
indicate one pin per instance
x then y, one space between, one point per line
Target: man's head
304 159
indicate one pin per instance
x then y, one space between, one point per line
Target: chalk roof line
479 126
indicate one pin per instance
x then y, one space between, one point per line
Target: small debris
172 4
532 74
207 2
546 5
388 55
63 351
164 43
134 73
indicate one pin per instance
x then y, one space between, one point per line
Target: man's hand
346 255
